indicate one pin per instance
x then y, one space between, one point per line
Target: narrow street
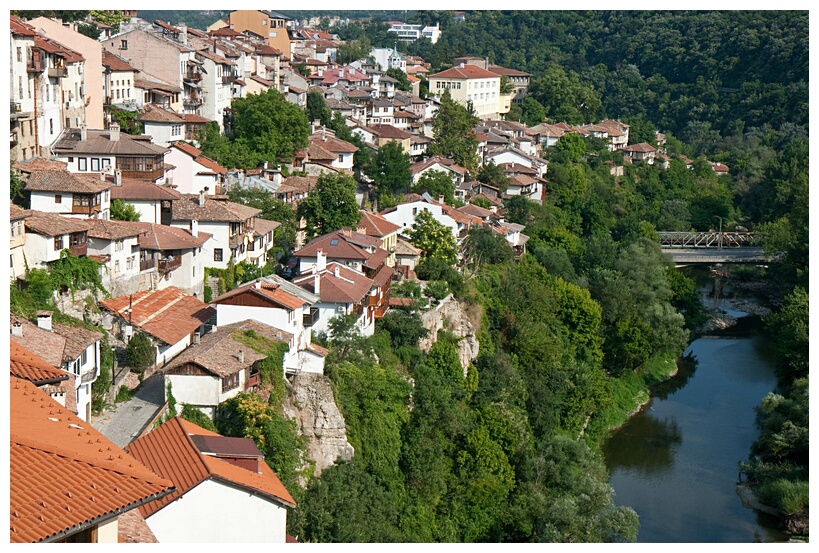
123 422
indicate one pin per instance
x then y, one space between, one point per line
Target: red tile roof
51 224
376 225
168 315
158 237
468 71
171 451
40 164
64 474
63 181
198 157
267 288
27 365
348 287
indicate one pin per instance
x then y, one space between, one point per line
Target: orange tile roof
168 315
27 365
468 71
170 450
64 473
376 225
268 289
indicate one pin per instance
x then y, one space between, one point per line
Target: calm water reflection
675 463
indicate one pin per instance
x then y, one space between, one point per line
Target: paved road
125 421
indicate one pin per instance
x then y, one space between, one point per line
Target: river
675 462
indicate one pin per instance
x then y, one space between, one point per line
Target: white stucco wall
165 353
194 390
404 215
208 514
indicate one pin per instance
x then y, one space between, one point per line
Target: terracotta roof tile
111 230
274 289
29 366
63 181
137 189
158 237
217 352
187 208
199 158
115 63
40 164
156 114
335 246
77 339
168 315
64 473
376 225
468 71
99 142
51 224
349 286
170 450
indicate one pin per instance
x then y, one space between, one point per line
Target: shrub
140 352
438 289
124 394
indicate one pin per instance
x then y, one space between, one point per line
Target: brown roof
115 63
111 230
17 212
641 147
332 143
402 247
47 345
137 189
65 474
168 315
446 162
387 131
51 224
63 181
77 339
297 184
99 142
156 114
199 158
348 287
508 72
335 245
29 366
475 211
40 164
375 225
268 288
263 226
193 118
171 450
216 208
154 236
468 71
217 352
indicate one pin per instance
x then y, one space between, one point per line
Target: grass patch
124 394
791 497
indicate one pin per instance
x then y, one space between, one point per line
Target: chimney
194 228
183 35
17 329
441 199
102 176
201 198
337 270
316 283
114 130
44 320
241 356
83 132
118 177
324 134
276 176
321 260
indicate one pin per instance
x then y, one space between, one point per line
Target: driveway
124 422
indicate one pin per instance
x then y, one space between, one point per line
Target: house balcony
169 264
253 381
35 66
57 72
192 103
90 376
147 264
78 250
193 76
17 111
226 79
145 175
309 319
86 209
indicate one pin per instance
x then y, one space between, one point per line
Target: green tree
127 120
390 171
403 82
573 145
493 175
121 211
437 184
565 97
454 137
140 352
405 328
789 326
532 112
16 193
433 238
331 205
266 127
317 109
482 246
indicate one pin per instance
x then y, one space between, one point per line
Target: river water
675 462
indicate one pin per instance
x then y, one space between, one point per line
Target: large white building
411 33
471 85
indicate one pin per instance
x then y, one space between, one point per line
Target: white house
273 301
48 234
214 476
70 194
116 245
17 243
151 201
75 350
169 317
163 125
193 171
218 366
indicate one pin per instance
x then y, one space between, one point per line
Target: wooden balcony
145 175
86 209
169 263
147 264
78 250
309 319
57 72
253 381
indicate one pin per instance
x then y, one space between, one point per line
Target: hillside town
184 266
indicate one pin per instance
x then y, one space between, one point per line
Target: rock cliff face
312 405
454 316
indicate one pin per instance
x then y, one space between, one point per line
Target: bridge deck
712 255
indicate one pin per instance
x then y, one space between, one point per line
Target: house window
123 45
58 198
95 164
230 382
341 158
58 243
118 244
129 264
116 266
84 357
51 126
217 254
19 54
82 164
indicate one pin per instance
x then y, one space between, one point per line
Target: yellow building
469 83
271 24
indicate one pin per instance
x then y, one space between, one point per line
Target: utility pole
720 232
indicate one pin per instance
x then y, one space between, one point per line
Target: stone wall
451 314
